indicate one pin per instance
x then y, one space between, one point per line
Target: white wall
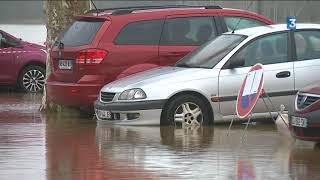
31 33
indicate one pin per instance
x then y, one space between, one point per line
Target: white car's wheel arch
188 92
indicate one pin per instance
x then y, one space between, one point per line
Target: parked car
22 63
202 88
304 121
100 47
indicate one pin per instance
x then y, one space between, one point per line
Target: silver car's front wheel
188 114
32 79
186 110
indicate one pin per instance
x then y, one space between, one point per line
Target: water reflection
304 161
68 147
19 108
194 153
22 137
71 149
73 153
190 138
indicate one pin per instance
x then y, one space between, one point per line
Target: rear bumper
309 133
73 94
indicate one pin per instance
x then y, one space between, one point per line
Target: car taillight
91 56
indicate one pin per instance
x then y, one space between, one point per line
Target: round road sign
250 91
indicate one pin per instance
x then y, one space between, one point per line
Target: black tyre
32 79
187 109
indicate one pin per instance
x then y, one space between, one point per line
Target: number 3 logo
291 22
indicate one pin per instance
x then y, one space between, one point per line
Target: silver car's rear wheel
32 79
186 110
188 114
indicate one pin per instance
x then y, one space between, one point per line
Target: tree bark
59 15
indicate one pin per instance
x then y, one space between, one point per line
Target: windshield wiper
184 65
59 44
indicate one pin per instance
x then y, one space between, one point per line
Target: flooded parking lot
35 146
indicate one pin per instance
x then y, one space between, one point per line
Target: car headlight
132 94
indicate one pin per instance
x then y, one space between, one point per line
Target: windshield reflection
209 54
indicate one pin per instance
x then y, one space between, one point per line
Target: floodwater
33 146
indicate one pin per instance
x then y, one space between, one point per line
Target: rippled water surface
34 146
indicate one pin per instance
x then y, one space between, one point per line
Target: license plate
65 64
104 114
299 121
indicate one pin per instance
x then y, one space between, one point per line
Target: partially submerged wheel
187 110
188 114
32 79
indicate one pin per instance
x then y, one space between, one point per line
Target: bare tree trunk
59 14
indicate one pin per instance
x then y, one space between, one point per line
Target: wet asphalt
68 147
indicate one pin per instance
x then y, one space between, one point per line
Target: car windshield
209 54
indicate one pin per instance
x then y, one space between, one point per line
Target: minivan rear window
80 33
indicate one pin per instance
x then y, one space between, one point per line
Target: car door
307 61
271 50
137 43
7 55
182 34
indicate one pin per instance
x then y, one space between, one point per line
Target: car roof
260 30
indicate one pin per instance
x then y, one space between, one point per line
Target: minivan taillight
90 56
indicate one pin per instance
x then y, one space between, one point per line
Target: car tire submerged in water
32 79
187 109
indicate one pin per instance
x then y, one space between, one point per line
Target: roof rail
130 9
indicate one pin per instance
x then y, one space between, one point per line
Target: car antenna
240 18
301 8
95 7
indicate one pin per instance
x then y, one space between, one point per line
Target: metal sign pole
274 108
268 109
245 129
231 123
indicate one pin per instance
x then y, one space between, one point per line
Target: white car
202 88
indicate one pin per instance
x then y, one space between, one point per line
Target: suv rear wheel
32 79
186 110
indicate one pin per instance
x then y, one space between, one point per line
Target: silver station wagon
202 88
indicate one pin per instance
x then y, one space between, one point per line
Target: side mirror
17 45
236 62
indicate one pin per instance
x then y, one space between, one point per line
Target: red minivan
105 45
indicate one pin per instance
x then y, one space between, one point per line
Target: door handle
174 54
283 74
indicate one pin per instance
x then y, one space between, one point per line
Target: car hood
160 75
33 45
313 88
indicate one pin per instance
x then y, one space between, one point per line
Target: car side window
141 33
241 22
307 45
6 41
270 49
188 31
1 40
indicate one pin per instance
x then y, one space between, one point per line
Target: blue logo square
291 22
